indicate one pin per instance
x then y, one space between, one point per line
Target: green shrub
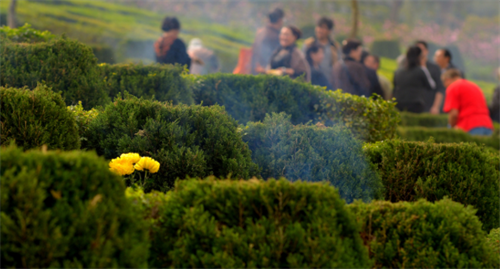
423 235
312 153
423 120
24 34
104 54
65 65
446 135
464 172
36 118
386 48
493 241
187 140
83 118
250 98
275 224
66 210
164 82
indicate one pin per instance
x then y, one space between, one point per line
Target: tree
11 16
355 18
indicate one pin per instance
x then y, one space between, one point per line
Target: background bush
36 118
275 224
83 118
66 209
386 48
164 82
187 140
250 98
423 120
493 241
67 66
312 153
104 54
464 172
422 234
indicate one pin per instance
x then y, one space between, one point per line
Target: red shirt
468 98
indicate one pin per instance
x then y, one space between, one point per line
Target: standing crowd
419 85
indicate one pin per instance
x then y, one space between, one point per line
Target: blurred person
323 32
169 49
266 41
315 56
442 58
466 105
373 62
495 103
350 75
207 61
288 59
375 87
433 98
411 83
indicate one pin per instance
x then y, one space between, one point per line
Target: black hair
350 44
447 53
170 23
376 58
413 56
276 15
295 31
313 48
326 22
421 42
364 54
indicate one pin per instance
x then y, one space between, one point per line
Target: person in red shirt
466 105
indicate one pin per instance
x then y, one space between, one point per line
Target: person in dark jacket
375 87
288 60
266 42
495 103
350 75
169 49
314 56
435 96
411 84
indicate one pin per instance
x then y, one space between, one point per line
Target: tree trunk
396 6
11 16
355 18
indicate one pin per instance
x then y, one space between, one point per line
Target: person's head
442 57
424 47
450 76
372 62
324 28
414 57
352 48
364 54
276 17
288 35
314 54
171 26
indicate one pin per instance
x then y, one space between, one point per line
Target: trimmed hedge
83 118
249 98
104 54
66 210
424 235
386 48
464 172
36 118
423 120
67 66
273 224
24 34
312 153
163 82
187 140
493 241
446 135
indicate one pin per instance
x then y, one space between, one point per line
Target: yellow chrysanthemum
131 157
121 166
147 163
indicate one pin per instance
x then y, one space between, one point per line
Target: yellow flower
147 163
131 157
121 166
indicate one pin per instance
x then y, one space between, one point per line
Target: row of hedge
66 209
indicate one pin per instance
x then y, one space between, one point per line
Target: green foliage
464 172
24 34
493 241
104 54
444 234
66 210
275 224
83 118
36 118
386 48
186 140
65 65
250 98
423 120
446 135
312 153
164 82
